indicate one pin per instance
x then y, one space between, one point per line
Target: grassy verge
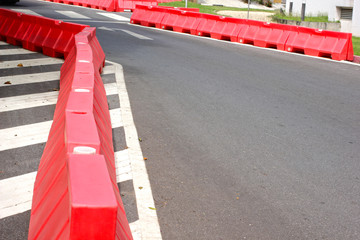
320 18
356 45
209 9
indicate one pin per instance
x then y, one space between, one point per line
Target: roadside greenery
209 9
356 45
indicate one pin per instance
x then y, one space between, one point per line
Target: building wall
332 8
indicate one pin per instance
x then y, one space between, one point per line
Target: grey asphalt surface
242 143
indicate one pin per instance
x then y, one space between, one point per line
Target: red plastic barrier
335 45
107 5
148 16
187 22
320 43
53 38
131 4
170 18
76 180
207 24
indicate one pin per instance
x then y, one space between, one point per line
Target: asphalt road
242 143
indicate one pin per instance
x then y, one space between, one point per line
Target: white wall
356 19
313 7
332 9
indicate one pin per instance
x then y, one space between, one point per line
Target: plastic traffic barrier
208 22
316 42
187 22
148 16
131 4
76 179
52 37
107 5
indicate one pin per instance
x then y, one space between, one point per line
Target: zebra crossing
77 15
36 109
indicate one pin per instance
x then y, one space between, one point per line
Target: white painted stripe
110 89
148 221
3 43
26 11
72 14
31 62
114 16
108 69
136 233
123 166
29 78
139 36
16 194
28 101
24 135
16 51
115 116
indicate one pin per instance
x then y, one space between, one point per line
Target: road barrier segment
108 5
309 41
75 192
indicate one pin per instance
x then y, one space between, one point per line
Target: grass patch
320 18
356 45
209 9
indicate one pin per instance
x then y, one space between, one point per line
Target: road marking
115 116
16 194
16 51
110 88
123 166
26 11
148 222
107 29
136 35
28 101
114 16
29 78
72 14
24 135
30 62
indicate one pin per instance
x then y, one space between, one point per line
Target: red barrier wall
76 183
131 4
53 38
107 5
335 45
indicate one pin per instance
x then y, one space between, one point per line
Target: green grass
356 45
320 18
208 9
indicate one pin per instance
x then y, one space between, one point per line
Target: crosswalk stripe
26 11
30 62
16 51
24 135
16 194
114 16
28 101
115 116
139 36
72 14
111 89
29 78
123 166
